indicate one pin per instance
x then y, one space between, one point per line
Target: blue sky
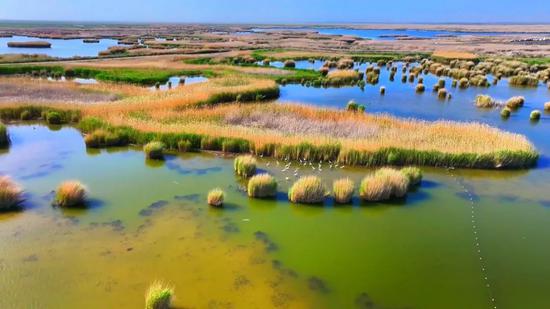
279 11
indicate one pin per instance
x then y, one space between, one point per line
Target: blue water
382 34
401 100
60 48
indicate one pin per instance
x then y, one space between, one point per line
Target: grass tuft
4 137
413 174
245 166
515 102
535 115
485 101
70 194
215 197
262 186
10 194
307 190
505 112
158 296
342 189
154 150
385 184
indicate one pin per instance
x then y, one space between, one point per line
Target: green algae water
464 239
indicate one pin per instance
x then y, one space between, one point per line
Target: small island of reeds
30 44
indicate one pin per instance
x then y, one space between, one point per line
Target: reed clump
342 190
385 184
245 166
262 186
70 194
4 137
342 77
154 150
535 115
158 296
215 197
524 81
505 113
485 101
307 190
54 118
289 64
413 174
546 107
442 93
11 194
352 106
515 102
420 88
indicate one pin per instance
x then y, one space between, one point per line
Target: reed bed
262 186
70 194
307 190
11 194
158 296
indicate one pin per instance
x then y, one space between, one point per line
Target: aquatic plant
524 81
535 115
420 88
361 108
385 184
413 174
515 102
53 118
463 83
454 83
4 137
307 190
215 197
245 166
262 186
382 90
485 101
103 138
442 93
372 78
154 150
352 106
342 190
342 77
11 194
441 83
505 112
546 108
26 115
70 194
158 296
185 146
289 64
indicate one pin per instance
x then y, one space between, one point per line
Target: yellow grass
448 54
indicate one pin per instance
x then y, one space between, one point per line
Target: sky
279 11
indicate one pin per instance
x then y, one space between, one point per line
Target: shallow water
175 81
60 48
148 220
386 34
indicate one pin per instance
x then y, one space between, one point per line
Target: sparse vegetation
158 296
307 190
342 190
262 186
70 194
11 194
245 166
216 197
